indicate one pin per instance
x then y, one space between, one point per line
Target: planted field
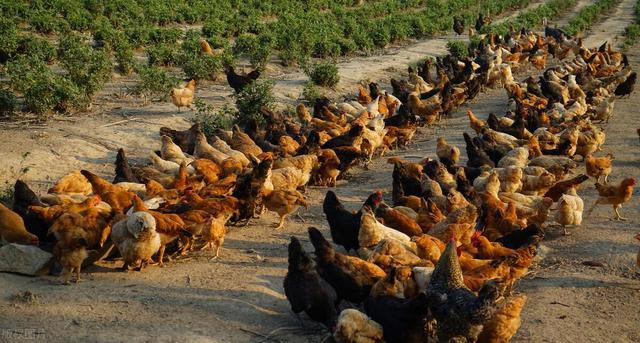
477 196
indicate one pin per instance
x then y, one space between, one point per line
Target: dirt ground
239 298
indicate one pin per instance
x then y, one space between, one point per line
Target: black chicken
351 277
476 156
459 312
458 25
123 170
237 81
626 87
479 22
186 139
345 225
402 320
517 239
23 197
346 139
307 291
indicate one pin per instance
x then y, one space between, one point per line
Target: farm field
583 288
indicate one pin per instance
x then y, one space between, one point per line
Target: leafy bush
8 38
163 55
310 92
253 97
257 48
8 102
200 67
37 47
16 173
123 54
43 90
458 48
324 74
211 120
89 69
154 82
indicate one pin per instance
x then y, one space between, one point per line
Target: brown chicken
12 229
71 246
51 213
183 96
214 233
505 321
614 195
599 166
429 215
283 202
73 182
489 250
119 199
242 142
398 220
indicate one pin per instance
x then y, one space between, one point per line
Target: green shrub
256 48
458 48
324 74
211 120
37 47
214 27
123 52
8 102
154 82
253 97
200 67
8 38
46 22
311 92
89 69
163 55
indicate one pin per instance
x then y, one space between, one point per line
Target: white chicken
570 208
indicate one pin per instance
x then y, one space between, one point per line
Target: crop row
534 17
103 32
632 32
588 16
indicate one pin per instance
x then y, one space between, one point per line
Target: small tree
254 97
323 74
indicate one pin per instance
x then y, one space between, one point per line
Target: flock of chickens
440 263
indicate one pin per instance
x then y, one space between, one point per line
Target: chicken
70 249
614 195
237 81
172 152
402 320
329 169
344 224
476 124
627 86
517 157
164 166
242 142
214 233
23 199
458 311
12 229
534 209
505 322
123 170
117 197
429 215
283 202
570 208
136 239
490 250
203 149
458 25
73 182
604 110
303 114
183 96
373 232
355 327
224 148
561 187
168 225
398 221
305 163
537 185
429 111
307 291
447 154
599 166
51 213
351 277
184 139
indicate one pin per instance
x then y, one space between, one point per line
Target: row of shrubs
632 32
588 16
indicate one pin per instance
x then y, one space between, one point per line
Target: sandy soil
239 298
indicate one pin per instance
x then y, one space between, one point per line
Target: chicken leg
281 223
78 274
618 217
